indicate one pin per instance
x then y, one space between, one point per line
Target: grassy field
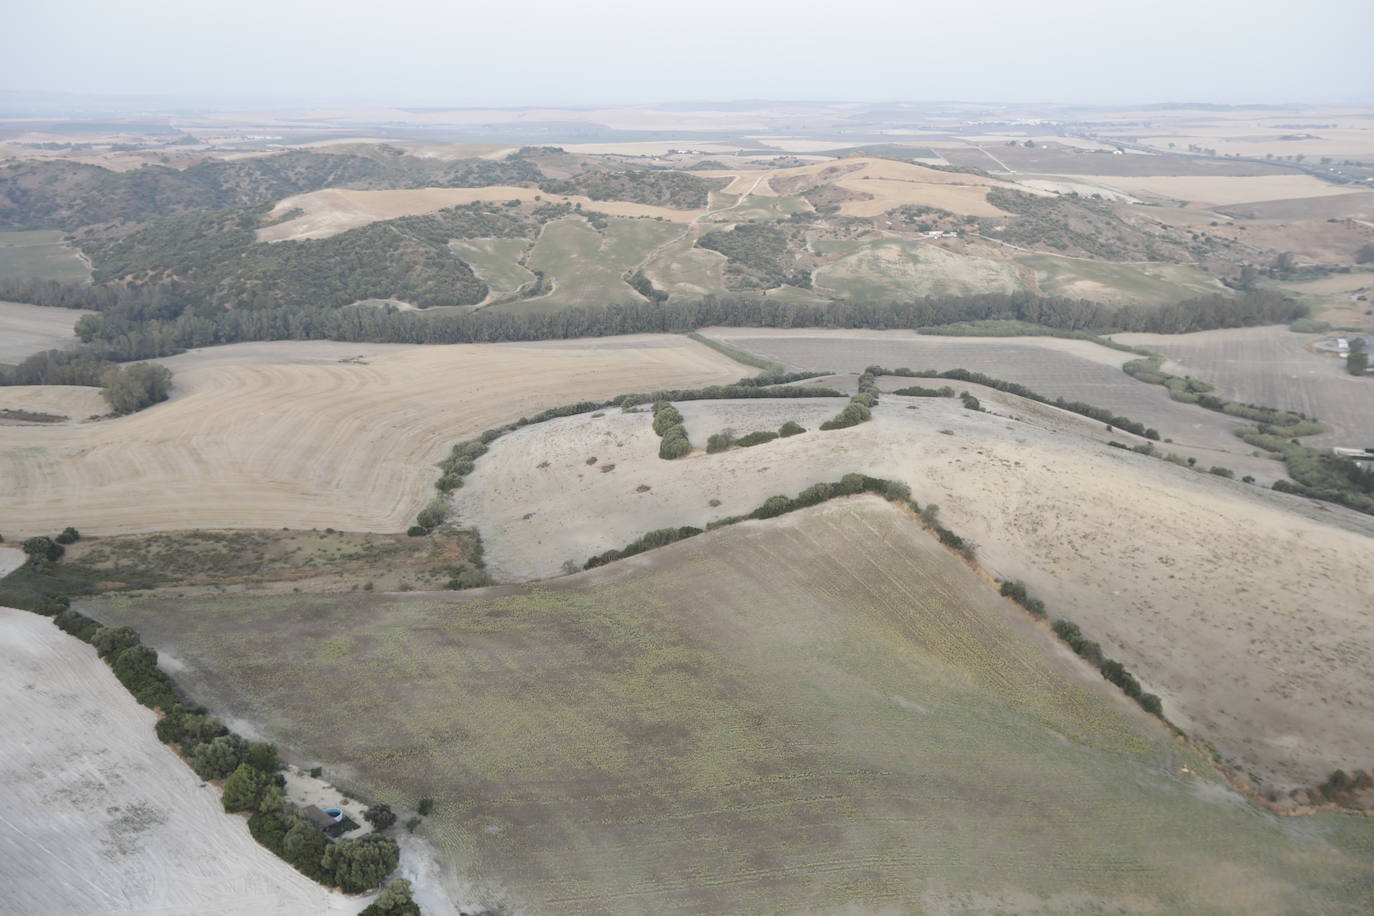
897 269
756 207
586 265
301 434
1101 281
41 254
824 713
495 261
681 269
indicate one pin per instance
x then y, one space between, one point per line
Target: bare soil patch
29 329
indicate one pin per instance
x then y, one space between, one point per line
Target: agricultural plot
587 266
820 712
1221 190
29 329
74 403
300 434
495 261
41 254
1060 158
99 817
1119 284
898 269
683 270
1272 366
1072 369
1205 574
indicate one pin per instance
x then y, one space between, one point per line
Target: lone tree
1356 361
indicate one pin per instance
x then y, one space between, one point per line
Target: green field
687 272
41 254
495 261
1103 281
586 265
825 712
899 269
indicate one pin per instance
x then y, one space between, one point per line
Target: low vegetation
678 190
860 407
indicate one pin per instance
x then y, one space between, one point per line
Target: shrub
69 535
110 641
791 428
425 806
970 402
136 667
916 391
303 846
719 442
756 438
1220 471
263 756
434 514
269 829
77 624
394 900
417 531
379 816
675 444
42 548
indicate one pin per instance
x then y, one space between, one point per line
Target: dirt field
1119 284
1223 190
1272 366
1073 369
336 210
76 402
29 329
827 712
284 434
1205 575
98 817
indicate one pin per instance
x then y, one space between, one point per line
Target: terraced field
299 434
1272 366
825 712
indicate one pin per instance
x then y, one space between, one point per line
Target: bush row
250 769
668 425
1101 414
726 439
1111 669
916 391
860 407
1189 390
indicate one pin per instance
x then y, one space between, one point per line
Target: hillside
823 711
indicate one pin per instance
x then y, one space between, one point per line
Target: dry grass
283 434
75 402
99 817
336 210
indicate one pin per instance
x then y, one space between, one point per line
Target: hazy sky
587 52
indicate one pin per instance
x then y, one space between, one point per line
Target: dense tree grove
147 323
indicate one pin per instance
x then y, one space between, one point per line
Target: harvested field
41 254
336 210
821 713
1357 205
75 402
29 329
1222 190
1060 157
285 434
897 269
1272 366
1077 370
1243 608
101 818
1119 284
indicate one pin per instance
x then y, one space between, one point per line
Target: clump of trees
916 391
394 900
860 407
131 388
668 424
791 428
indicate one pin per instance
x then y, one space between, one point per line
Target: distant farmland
821 712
